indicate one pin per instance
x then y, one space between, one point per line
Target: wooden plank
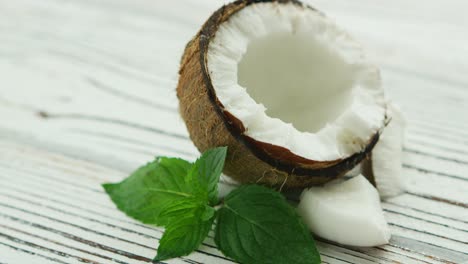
74 213
66 230
17 254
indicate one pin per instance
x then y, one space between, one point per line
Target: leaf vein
170 192
251 222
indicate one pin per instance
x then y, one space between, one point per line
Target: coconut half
347 212
290 93
383 167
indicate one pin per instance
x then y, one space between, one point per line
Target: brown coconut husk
210 125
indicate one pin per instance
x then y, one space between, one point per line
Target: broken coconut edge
383 166
210 125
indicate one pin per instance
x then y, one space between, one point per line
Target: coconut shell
210 125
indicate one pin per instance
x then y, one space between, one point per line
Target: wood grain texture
87 94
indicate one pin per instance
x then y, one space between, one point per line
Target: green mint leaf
208 213
184 235
257 225
206 171
180 208
147 192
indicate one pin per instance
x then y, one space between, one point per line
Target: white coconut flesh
387 156
347 212
296 80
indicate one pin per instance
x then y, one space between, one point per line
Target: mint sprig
254 224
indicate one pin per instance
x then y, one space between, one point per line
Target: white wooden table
87 94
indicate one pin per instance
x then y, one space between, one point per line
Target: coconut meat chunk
295 80
347 212
386 158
